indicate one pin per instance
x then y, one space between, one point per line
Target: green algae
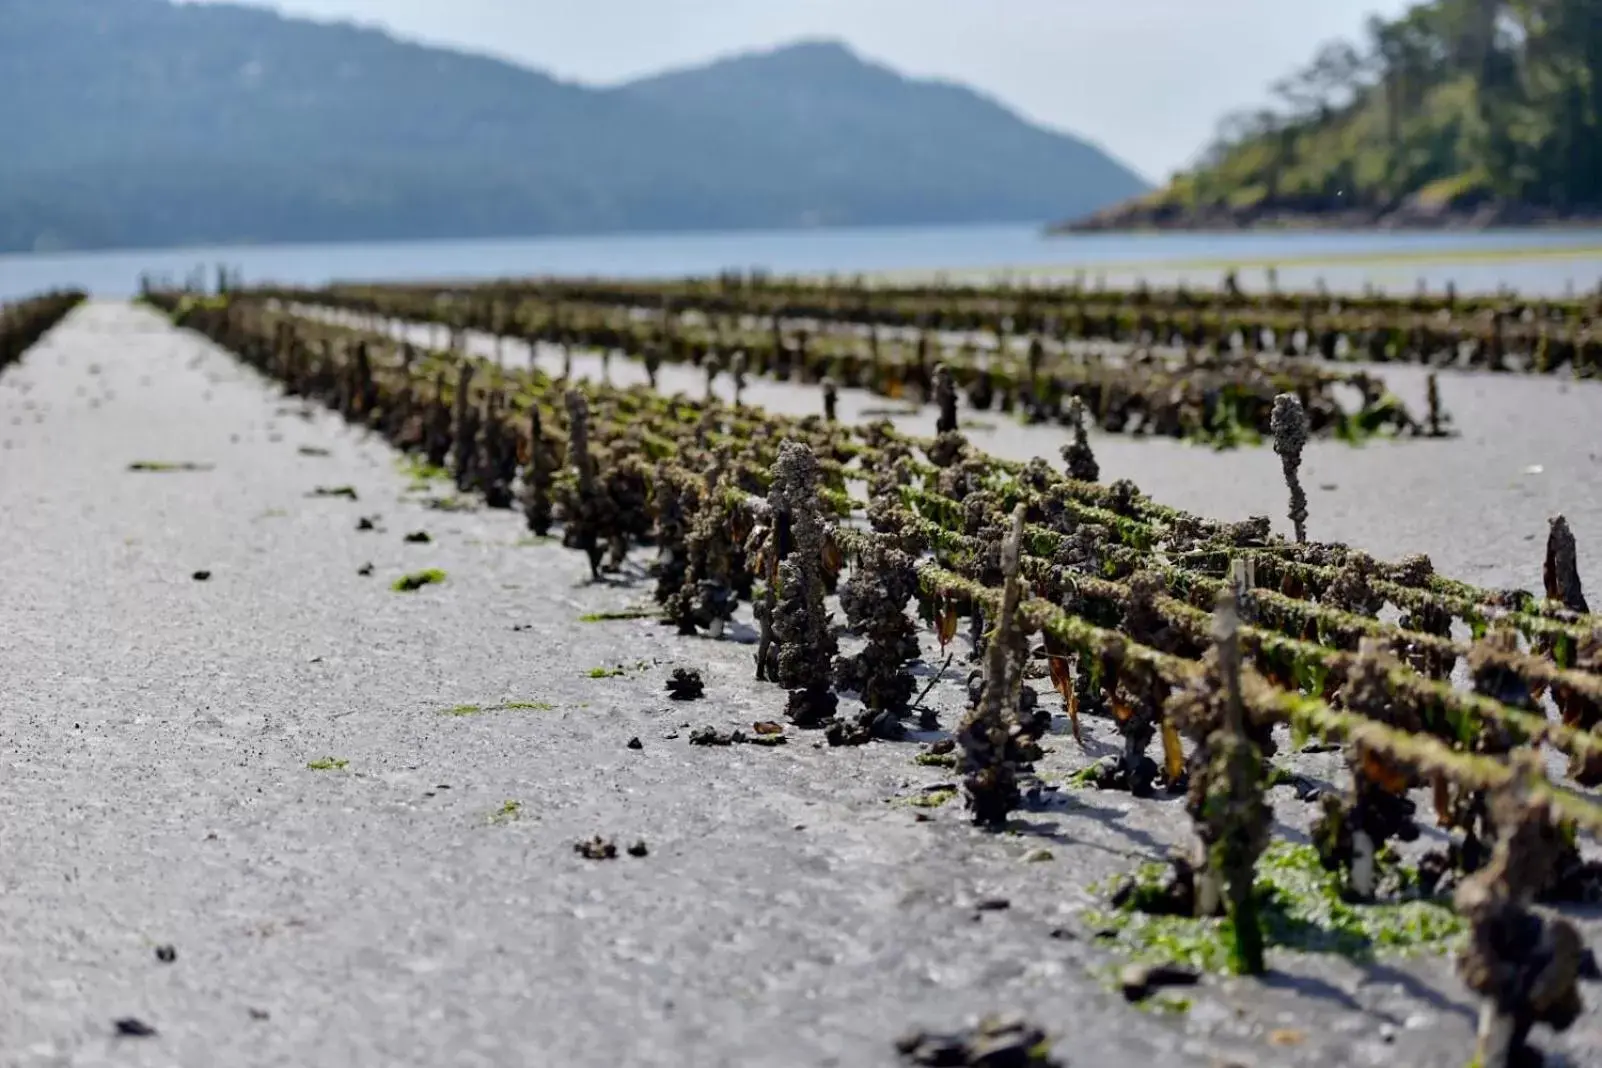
509 811
504 706
930 798
1164 1005
612 617
1301 910
167 466
1085 778
607 672
936 760
417 580
328 764
421 472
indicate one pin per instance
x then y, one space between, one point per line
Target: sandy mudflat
155 733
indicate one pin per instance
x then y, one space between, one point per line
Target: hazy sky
1146 79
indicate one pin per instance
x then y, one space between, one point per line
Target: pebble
993 1042
1138 981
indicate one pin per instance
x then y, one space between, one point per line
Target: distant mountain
141 123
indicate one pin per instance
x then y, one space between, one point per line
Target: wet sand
155 733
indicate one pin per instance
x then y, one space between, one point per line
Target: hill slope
148 123
1461 112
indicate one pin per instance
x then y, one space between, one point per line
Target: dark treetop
1460 111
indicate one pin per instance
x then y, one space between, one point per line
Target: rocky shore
1151 213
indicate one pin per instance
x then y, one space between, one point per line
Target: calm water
1532 262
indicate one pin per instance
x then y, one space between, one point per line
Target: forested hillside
1459 111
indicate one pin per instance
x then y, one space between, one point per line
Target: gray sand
155 733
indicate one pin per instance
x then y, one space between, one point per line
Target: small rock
201 576
1138 981
943 746
767 727
993 904
1064 934
418 537
713 736
365 570
935 1050
596 848
348 492
166 954
841 732
133 1027
638 849
364 523
1286 1036
1175 895
685 684
260 1014
1040 856
993 1042
635 743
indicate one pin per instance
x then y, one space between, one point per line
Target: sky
1147 80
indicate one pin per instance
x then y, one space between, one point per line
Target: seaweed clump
874 599
1227 772
992 746
803 643
1081 461
1289 424
1353 829
706 595
1523 961
585 510
544 461
1560 572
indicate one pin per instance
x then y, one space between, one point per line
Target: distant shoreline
1146 217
